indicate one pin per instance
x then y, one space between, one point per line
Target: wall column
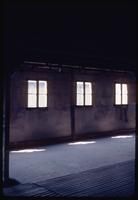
6 131
72 106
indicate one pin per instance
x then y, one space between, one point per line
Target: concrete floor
117 180
41 164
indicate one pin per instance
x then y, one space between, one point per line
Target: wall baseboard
50 141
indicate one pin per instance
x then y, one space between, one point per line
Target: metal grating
116 180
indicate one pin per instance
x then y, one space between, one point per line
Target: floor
115 180
36 168
62 159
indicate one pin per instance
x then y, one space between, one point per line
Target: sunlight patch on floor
28 150
122 136
82 142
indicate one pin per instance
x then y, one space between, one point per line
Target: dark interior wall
104 115
39 123
55 121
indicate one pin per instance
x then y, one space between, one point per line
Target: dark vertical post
72 107
7 181
6 123
136 154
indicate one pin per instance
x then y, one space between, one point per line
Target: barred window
84 93
37 94
121 94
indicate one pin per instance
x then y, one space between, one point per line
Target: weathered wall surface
40 123
104 115
55 121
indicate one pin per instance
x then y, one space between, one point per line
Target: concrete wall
104 115
33 124
55 121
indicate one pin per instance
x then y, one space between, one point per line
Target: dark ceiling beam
48 65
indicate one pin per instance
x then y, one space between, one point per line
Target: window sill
122 105
84 106
44 108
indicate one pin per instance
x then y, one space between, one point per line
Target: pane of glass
42 100
31 87
124 88
88 88
88 99
80 87
42 87
31 100
118 99
80 101
124 99
118 88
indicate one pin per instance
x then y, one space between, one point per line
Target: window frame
37 95
120 105
83 106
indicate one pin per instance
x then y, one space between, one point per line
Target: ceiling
84 34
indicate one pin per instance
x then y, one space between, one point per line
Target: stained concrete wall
40 123
55 121
104 115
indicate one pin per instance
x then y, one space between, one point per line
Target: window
121 94
84 94
37 94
